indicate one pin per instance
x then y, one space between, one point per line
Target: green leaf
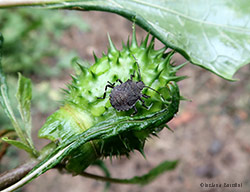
25 143
212 35
18 144
24 95
4 100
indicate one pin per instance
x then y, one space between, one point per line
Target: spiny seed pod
82 110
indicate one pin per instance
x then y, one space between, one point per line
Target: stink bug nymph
124 96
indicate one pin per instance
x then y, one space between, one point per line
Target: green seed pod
82 111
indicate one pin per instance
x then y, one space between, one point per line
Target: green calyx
84 112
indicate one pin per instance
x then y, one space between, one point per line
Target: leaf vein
191 18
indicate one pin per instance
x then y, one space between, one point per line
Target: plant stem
10 177
15 3
141 180
24 179
107 179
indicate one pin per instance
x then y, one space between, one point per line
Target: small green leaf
4 100
18 144
24 95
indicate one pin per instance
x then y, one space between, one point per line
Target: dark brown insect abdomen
123 97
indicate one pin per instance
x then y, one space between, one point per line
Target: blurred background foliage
32 40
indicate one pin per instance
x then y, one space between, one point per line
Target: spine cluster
82 111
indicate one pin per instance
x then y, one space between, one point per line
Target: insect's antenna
139 71
155 91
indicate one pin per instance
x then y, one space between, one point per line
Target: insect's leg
120 81
143 103
111 84
156 92
132 76
106 87
145 96
134 111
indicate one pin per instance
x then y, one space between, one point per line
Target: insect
124 96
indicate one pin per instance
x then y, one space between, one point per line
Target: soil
211 131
